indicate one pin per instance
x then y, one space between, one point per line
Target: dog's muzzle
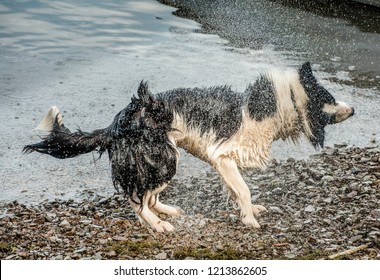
343 111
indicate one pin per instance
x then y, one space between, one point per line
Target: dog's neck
290 118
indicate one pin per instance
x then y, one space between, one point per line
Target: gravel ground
320 208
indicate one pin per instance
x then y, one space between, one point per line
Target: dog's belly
196 146
245 150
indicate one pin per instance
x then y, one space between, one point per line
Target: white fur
150 204
341 110
47 122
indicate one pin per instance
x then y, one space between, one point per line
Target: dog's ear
306 69
306 75
144 94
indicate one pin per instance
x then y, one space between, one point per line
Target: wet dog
229 130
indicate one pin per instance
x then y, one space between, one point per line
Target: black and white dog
229 130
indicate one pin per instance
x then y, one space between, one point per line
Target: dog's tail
62 143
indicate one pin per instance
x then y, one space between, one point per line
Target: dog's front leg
229 171
158 207
146 216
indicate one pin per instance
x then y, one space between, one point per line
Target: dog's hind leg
146 216
229 171
258 209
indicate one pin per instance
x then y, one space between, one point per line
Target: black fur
141 155
318 97
261 99
62 143
216 109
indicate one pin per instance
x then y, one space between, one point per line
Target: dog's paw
258 209
250 221
162 226
166 209
173 211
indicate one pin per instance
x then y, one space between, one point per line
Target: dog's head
154 114
143 113
322 107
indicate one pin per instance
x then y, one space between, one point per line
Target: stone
50 217
161 256
80 250
328 178
352 194
64 223
375 213
275 209
309 209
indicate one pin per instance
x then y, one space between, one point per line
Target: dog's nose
352 111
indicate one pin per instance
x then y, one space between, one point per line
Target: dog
229 130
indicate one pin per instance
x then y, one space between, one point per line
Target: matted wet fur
230 130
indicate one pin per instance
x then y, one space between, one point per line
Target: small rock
98 256
64 223
86 222
278 191
330 151
119 238
290 256
291 160
50 217
10 257
375 213
23 254
352 194
55 239
111 254
255 197
161 256
375 234
298 226
309 209
275 209
279 170
40 220
327 221
202 223
328 178
58 257
340 145
80 250
355 238
103 241
301 185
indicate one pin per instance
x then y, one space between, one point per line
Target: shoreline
316 208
